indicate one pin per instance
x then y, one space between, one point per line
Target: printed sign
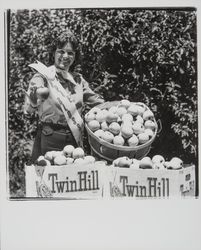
72 181
151 183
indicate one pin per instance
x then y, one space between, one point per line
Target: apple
150 124
93 125
113 109
49 155
101 115
133 109
99 133
95 110
115 162
121 111
133 141
124 103
111 117
138 128
158 159
108 136
57 153
135 164
41 157
139 119
114 128
126 131
124 162
42 93
104 126
68 150
158 165
78 153
147 115
141 110
127 117
176 163
89 159
149 132
60 160
80 161
69 160
89 117
118 140
143 138
146 162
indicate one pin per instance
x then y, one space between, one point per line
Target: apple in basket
104 126
90 116
60 160
95 110
68 150
114 128
101 115
141 110
124 162
139 119
143 138
127 117
149 132
99 133
150 124
158 159
118 140
148 115
124 103
111 117
146 162
93 125
138 128
121 111
108 136
133 141
126 131
133 109
78 153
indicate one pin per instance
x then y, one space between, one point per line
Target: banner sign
151 183
98 181
72 181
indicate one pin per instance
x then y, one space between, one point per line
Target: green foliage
142 55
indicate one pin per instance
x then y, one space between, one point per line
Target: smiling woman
59 103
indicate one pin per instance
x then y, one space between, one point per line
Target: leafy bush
149 54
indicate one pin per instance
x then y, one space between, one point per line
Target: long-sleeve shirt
48 110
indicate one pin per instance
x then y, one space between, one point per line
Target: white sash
64 100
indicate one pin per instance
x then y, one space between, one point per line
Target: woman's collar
66 75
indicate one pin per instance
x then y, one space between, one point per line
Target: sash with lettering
62 98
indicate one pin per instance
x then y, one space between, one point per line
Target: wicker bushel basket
109 152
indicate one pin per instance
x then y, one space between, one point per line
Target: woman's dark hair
61 41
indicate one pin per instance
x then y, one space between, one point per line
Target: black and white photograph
102 102
100 137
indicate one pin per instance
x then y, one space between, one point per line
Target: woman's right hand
42 93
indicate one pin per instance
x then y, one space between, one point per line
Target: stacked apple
67 156
156 162
126 124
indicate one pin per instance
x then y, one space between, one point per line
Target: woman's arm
32 100
90 98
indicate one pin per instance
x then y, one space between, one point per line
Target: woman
59 101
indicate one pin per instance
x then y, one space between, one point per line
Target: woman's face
64 57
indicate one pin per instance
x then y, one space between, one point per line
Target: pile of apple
156 162
69 155
126 124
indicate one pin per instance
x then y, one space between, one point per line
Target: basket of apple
120 128
156 162
68 156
